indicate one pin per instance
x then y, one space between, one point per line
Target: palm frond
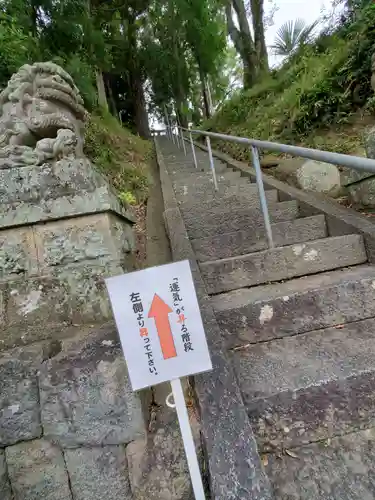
291 35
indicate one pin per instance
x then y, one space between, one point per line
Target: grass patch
121 156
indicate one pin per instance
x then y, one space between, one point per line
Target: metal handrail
354 162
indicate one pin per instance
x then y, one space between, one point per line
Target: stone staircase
299 326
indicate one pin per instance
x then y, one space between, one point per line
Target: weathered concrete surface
180 175
349 176
239 201
85 394
100 473
18 253
297 306
82 239
243 190
319 177
5 491
19 397
72 295
33 183
340 469
309 387
363 192
208 188
23 213
242 242
203 167
193 209
65 263
227 221
204 179
37 471
233 464
283 263
158 467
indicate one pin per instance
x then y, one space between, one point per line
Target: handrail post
262 195
183 141
193 149
178 136
169 130
212 165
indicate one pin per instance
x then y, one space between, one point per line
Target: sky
289 10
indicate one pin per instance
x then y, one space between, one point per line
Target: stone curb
340 220
234 465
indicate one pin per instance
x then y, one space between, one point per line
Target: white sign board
159 323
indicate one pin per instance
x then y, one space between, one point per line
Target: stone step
232 203
283 263
243 242
242 190
273 311
187 167
218 200
228 221
201 180
309 387
196 189
191 174
342 468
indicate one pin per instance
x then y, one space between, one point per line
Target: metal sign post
187 436
162 337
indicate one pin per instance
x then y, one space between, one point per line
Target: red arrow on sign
159 310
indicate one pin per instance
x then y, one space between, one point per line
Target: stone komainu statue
41 116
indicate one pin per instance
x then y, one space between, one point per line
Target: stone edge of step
339 395
314 228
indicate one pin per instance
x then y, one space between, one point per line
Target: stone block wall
52 274
67 414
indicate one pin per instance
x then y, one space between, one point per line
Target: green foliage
184 42
17 48
292 35
121 156
322 85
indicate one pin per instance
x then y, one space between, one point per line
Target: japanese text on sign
159 322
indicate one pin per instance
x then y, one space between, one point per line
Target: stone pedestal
62 231
67 411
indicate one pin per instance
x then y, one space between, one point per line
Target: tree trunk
111 98
181 117
242 41
209 94
257 12
140 112
102 97
206 98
